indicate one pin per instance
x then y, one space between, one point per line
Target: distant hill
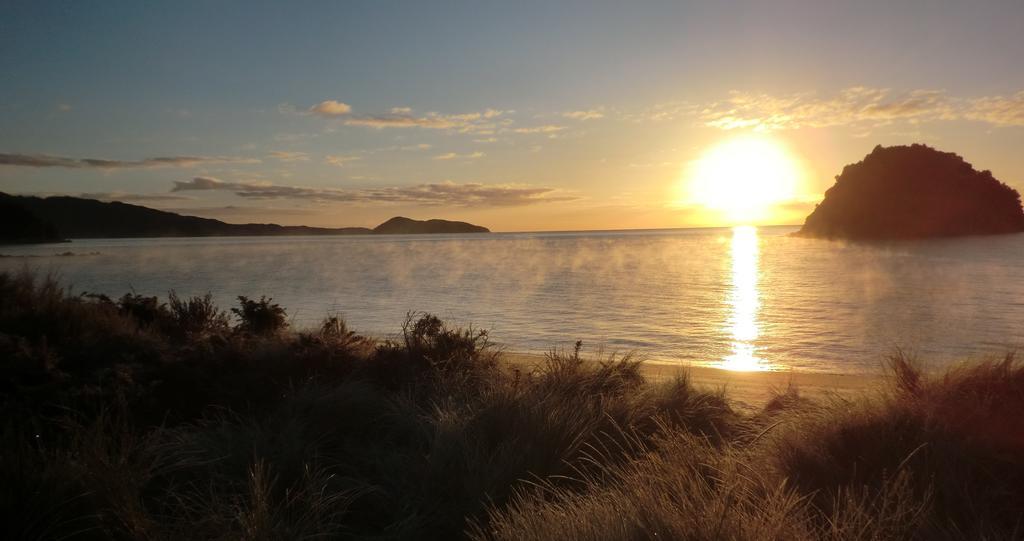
909 192
37 219
19 225
400 225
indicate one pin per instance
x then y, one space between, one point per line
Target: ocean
739 298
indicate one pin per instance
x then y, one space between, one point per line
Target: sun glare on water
743 303
741 180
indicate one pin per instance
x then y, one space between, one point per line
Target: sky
518 115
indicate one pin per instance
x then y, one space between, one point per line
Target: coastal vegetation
146 418
915 191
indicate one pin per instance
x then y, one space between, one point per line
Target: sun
741 181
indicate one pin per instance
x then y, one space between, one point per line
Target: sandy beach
746 390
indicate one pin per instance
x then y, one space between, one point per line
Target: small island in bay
913 192
400 225
26 219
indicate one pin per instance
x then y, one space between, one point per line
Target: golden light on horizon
744 302
741 180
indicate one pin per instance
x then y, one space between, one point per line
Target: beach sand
748 391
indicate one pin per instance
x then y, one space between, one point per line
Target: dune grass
139 419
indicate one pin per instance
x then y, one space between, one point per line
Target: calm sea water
741 298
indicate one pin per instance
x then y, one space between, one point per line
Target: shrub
261 318
333 329
196 316
450 350
145 310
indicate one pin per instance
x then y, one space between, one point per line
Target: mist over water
744 299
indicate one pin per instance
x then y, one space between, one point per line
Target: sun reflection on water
744 302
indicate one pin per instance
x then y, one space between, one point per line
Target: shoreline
748 390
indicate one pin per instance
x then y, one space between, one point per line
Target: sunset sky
516 115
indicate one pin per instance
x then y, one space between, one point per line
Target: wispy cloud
415 147
858 106
454 156
134 197
444 193
46 160
587 114
339 161
549 128
234 211
664 112
402 117
289 156
876 106
63 107
331 108
998 110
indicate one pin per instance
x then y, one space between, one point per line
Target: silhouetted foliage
140 420
914 192
145 310
333 328
261 318
196 316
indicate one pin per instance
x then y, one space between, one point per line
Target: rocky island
26 219
913 192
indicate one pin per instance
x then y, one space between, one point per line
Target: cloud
863 107
856 105
401 117
340 160
289 156
998 110
402 121
293 137
233 211
550 128
590 114
331 108
46 160
445 193
63 107
416 147
664 112
124 196
454 156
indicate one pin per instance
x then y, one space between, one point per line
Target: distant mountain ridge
50 219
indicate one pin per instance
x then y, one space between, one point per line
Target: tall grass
139 419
